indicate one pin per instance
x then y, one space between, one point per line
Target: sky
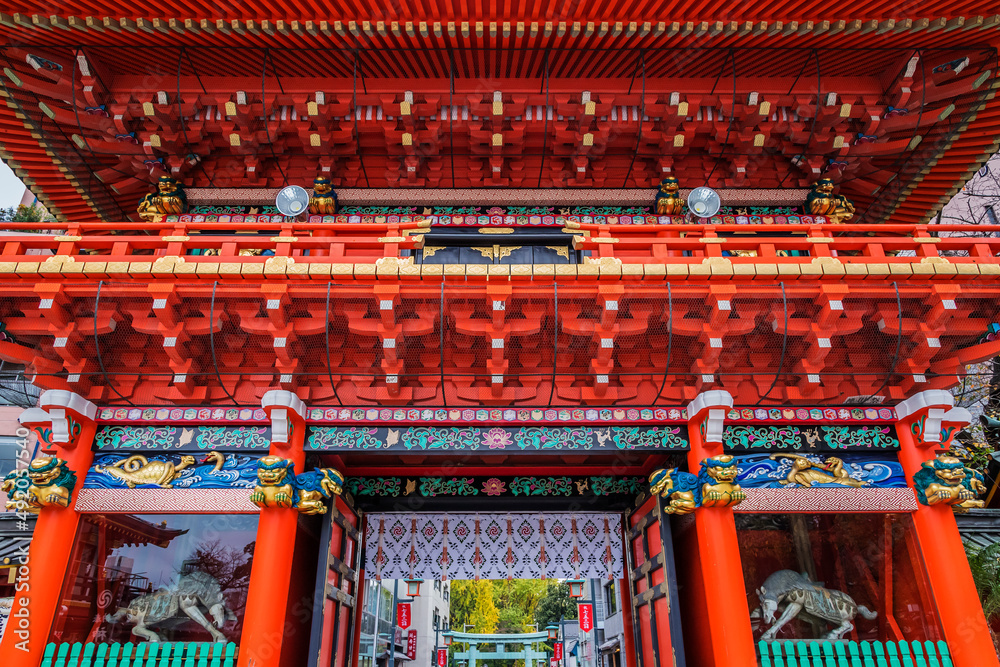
11 188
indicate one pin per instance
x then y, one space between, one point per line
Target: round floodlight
704 202
292 201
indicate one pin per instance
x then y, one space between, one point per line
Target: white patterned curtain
511 545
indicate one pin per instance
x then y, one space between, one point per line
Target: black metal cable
211 342
732 117
670 342
899 342
642 115
555 339
329 368
97 346
784 346
263 102
180 114
444 394
357 135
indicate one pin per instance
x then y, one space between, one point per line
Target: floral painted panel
800 438
524 439
183 438
521 486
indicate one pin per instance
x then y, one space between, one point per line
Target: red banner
411 645
586 616
403 614
442 657
557 652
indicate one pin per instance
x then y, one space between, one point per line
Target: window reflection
159 577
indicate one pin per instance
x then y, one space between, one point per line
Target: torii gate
500 652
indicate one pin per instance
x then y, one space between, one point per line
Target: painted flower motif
495 210
493 487
558 531
590 530
496 438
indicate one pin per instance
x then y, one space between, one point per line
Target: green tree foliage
472 604
556 604
516 601
25 214
985 566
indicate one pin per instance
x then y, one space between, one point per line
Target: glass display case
157 577
835 576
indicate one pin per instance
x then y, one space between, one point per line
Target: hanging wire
899 342
670 342
211 342
97 346
555 339
329 366
784 346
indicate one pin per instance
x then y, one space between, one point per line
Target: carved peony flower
493 487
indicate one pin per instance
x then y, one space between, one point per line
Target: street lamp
448 638
413 587
553 631
576 587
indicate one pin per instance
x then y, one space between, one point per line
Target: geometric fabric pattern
166 501
828 500
482 545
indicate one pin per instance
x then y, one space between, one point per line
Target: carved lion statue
946 480
324 199
822 201
16 485
717 478
668 200
275 483
680 488
279 486
169 199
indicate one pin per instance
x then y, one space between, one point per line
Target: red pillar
271 573
958 604
40 580
726 611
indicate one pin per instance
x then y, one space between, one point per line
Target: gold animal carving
718 482
137 469
822 201
946 481
168 199
806 473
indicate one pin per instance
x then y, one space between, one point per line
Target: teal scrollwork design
763 437
356 437
374 486
441 438
542 486
440 486
635 437
540 437
606 486
874 437
136 437
240 437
